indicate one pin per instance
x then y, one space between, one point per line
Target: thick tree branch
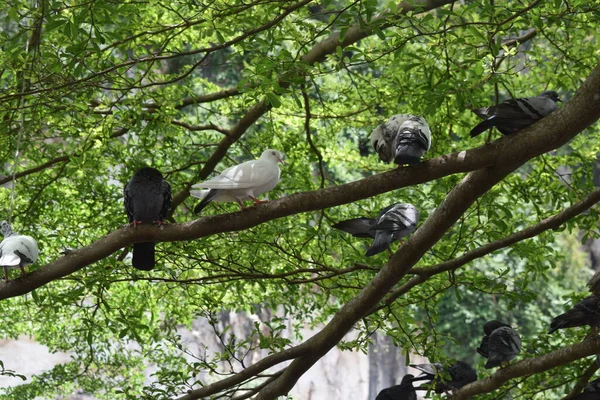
553 222
530 366
548 134
313 56
456 203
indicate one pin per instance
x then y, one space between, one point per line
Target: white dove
16 250
247 180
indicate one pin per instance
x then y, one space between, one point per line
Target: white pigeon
513 115
16 250
247 180
404 138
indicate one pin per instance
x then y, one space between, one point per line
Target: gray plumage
16 251
586 312
147 200
460 374
392 223
404 391
404 138
513 115
500 344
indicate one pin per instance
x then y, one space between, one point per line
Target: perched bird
513 115
586 312
393 222
16 250
500 344
404 138
404 391
147 200
247 180
591 391
460 373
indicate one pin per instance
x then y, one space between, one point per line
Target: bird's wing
128 203
167 200
397 217
247 175
28 248
382 241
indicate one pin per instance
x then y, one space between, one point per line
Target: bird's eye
273 153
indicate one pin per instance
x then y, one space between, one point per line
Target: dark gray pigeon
513 115
16 250
586 312
147 200
393 222
404 391
500 344
460 374
591 391
404 138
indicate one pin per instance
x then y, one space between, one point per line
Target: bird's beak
280 160
558 99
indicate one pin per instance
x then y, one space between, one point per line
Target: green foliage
108 87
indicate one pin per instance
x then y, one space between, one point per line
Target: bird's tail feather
143 256
357 227
381 243
205 200
483 126
10 260
410 144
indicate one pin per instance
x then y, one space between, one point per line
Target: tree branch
423 274
549 133
313 56
530 366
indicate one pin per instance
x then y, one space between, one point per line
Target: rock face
340 374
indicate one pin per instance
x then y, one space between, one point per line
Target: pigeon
500 344
591 391
513 115
404 138
404 391
586 312
241 182
16 250
393 222
460 373
147 200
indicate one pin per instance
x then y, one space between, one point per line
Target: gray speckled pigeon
147 200
16 250
404 138
513 115
241 182
500 344
461 374
404 391
586 312
393 222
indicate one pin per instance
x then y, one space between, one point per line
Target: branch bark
548 134
530 366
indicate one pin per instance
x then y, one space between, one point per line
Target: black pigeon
586 312
460 373
513 115
404 138
404 391
393 222
147 200
500 344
